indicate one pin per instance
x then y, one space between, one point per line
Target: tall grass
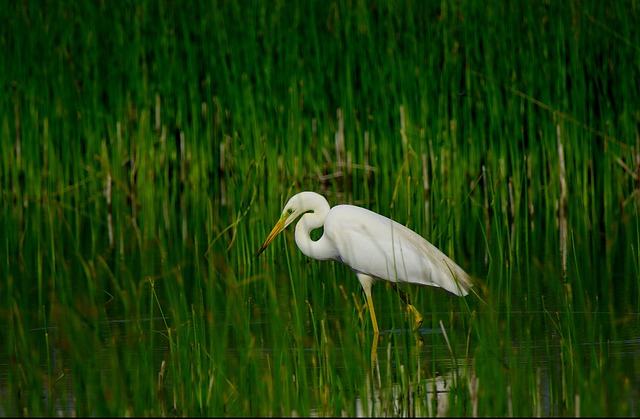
148 147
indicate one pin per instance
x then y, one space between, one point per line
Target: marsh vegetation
147 148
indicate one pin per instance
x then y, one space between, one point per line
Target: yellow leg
373 313
366 281
374 352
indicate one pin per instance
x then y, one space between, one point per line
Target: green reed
148 148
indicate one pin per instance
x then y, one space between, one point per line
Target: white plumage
373 246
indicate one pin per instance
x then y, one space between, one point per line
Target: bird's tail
462 282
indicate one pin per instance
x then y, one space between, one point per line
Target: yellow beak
277 229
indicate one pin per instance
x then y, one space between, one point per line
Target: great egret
373 246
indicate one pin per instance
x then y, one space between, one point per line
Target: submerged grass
147 149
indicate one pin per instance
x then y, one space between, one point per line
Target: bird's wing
375 245
444 272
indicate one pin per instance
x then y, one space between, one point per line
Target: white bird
372 245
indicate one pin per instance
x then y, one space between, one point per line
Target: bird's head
290 212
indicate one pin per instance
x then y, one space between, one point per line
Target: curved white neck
321 249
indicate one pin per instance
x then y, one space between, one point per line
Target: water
419 382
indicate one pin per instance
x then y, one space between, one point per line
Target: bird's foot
417 317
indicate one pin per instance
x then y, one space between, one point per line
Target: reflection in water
435 393
425 380
398 390
412 395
